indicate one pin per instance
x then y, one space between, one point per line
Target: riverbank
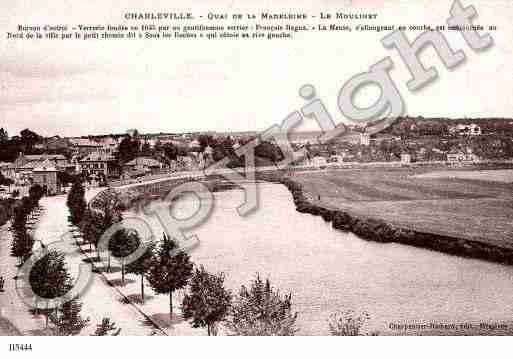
379 230
338 270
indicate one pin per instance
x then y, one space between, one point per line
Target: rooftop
97 157
144 161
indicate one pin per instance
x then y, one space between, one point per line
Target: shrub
347 323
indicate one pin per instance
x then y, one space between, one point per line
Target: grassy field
473 206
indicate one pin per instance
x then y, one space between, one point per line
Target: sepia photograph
332 168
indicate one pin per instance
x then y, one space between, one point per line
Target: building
458 157
194 144
336 159
41 169
146 165
98 166
7 169
55 143
466 130
84 146
319 161
405 158
365 139
22 168
46 175
57 160
109 145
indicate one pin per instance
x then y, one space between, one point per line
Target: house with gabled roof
46 175
142 166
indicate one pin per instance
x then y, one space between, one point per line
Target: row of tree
257 310
49 277
76 202
23 209
266 153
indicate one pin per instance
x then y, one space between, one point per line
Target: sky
72 88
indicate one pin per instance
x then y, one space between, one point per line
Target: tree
170 270
208 301
91 229
128 149
36 192
76 202
4 136
65 178
10 148
146 149
109 218
121 245
69 321
261 310
2 283
29 139
49 277
4 181
6 210
171 151
269 151
106 327
142 264
22 243
206 140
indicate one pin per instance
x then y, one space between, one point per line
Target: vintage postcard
255 168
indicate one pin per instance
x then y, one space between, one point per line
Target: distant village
55 162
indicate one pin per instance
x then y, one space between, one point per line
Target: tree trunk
171 305
108 262
123 272
212 329
46 314
208 329
142 287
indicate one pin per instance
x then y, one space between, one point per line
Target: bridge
158 185
123 193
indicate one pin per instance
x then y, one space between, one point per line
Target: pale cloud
83 87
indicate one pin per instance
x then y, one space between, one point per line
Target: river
328 270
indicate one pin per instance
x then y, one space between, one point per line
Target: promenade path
100 300
15 318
